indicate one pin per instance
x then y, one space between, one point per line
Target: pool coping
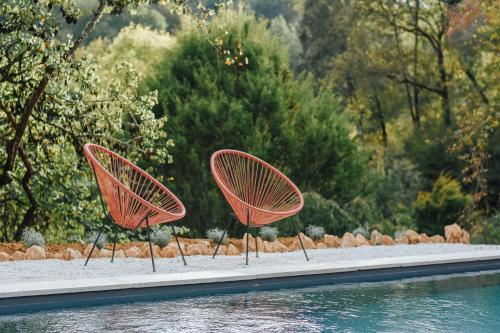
43 295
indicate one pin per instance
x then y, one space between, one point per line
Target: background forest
385 113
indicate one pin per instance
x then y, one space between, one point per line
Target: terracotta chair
257 192
132 197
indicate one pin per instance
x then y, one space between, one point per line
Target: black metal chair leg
178 244
223 234
248 233
114 245
93 246
300 239
150 246
256 246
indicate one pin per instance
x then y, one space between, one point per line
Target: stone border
47 295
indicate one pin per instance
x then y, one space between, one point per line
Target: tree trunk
416 104
381 119
445 97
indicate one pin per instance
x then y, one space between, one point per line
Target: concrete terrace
33 285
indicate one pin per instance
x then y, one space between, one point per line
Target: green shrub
161 237
268 233
92 236
315 232
259 107
363 230
442 206
328 213
215 235
487 231
32 237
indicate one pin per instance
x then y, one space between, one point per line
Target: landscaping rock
453 233
424 238
133 252
277 246
198 249
232 250
18 255
170 251
146 253
465 239
221 251
413 237
251 243
348 240
95 253
105 253
35 253
437 239
402 240
59 255
120 254
321 245
332 241
361 240
70 254
4 256
387 240
376 238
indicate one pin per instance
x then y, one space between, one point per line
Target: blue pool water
461 303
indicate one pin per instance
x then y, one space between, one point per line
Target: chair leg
93 246
256 246
222 237
300 239
178 244
150 246
114 245
248 234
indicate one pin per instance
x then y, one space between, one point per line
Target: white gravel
28 271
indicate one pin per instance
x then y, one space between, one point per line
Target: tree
51 103
247 100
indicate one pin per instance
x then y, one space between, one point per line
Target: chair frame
115 225
233 216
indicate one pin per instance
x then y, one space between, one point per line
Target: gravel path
24 271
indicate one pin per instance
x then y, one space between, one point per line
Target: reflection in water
459 304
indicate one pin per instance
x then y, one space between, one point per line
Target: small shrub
101 243
161 237
215 234
315 232
269 234
32 237
362 230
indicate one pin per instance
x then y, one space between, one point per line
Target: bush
440 207
315 232
487 231
363 230
101 243
317 209
32 237
215 235
256 106
269 234
161 237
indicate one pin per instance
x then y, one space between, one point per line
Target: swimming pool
457 303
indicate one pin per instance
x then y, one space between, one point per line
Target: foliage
101 242
488 231
329 213
256 107
268 233
215 235
315 232
32 237
442 206
52 102
161 237
363 230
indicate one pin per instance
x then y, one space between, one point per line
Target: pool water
460 303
